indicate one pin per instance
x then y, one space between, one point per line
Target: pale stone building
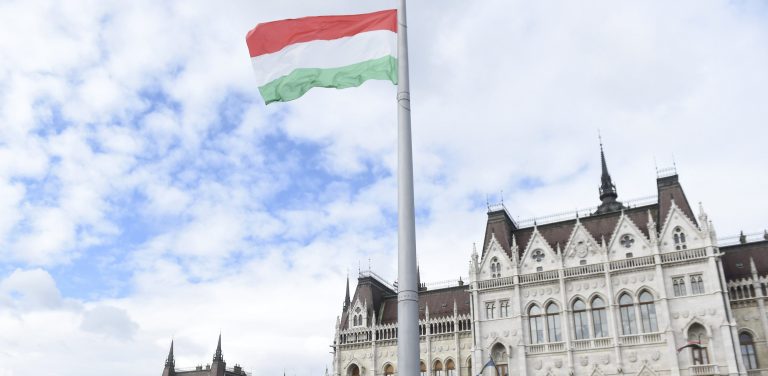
636 288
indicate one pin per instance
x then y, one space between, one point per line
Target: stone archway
353 370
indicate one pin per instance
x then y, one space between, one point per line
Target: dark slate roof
439 301
598 225
736 259
383 300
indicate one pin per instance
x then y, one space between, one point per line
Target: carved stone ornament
549 290
650 277
558 363
537 364
514 332
506 333
712 311
686 314
557 290
642 278
485 336
570 287
676 315
584 361
606 359
656 355
632 357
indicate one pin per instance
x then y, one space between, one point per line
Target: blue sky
147 193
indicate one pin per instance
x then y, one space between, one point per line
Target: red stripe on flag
273 36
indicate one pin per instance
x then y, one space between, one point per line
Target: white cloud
111 136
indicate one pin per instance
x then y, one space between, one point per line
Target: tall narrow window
495 268
580 323
697 284
678 285
747 350
437 368
504 308
422 369
450 368
499 354
599 319
679 238
648 312
389 370
698 335
627 311
536 323
489 308
553 323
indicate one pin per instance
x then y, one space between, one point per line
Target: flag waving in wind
491 363
292 56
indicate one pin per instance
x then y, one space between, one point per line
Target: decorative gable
358 315
538 256
582 248
628 240
679 232
496 263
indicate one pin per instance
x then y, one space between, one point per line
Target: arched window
679 238
353 370
536 322
580 323
469 366
553 323
627 311
437 368
599 319
748 350
499 354
678 286
697 337
389 370
495 268
450 368
422 369
648 312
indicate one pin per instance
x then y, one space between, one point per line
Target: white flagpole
408 293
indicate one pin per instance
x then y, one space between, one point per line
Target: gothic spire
346 298
218 356
169 361
608 193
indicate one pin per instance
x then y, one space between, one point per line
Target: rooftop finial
608 193
346 297
170 362
218 357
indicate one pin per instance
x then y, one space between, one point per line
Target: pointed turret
218 356
170 363
346 297
218 365
608 193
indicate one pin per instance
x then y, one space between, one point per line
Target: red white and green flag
290 57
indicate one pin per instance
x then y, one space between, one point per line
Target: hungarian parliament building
627 288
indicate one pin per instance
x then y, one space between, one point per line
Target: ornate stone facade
620 290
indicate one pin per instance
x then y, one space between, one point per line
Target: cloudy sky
146 193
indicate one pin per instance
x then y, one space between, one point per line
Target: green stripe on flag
298 82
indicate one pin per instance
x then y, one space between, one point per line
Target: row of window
697 285
490 309
592 321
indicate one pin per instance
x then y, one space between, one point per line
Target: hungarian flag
292 56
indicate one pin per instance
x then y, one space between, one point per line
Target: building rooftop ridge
584 212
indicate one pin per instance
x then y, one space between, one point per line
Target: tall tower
170 364
218 365
608 193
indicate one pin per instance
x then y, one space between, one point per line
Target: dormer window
357 318
495 268
679 238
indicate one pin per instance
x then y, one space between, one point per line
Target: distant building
218 367
635 288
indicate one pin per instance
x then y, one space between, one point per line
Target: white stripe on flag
324 54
